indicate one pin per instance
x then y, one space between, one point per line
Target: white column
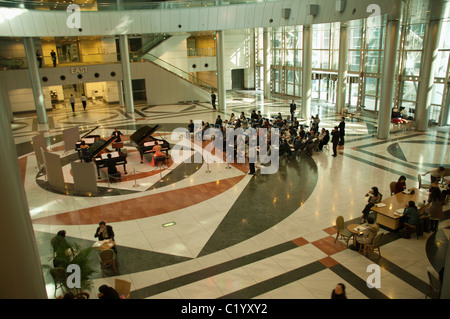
342 69
388 74
35 80
267 62
427 65
221 94
306 73
127 86
120 88
21 274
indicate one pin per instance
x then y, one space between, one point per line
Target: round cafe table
351 228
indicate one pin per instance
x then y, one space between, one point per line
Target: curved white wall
40 23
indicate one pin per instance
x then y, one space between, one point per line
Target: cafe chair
376 243
123 287
59 276
392 187
342 230
421 185
414 229
107 259
434 284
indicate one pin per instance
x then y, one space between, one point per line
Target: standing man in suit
293 107
335 140
39 58
72 102
53 54
341 131
117 134
213 100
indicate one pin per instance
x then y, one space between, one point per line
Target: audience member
339 292
400 186
374 197
106 292
369 233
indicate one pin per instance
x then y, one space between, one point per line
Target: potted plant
72 254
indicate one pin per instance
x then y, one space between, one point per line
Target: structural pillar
33 70
120 88
267 62
306 73
342 69
21 273
220 44
388 73
126 71
427 65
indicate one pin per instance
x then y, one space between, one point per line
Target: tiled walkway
235 235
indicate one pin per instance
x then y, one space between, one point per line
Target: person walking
335 140
213 100
72 102
83 100
53 54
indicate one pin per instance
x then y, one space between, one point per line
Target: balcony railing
104 6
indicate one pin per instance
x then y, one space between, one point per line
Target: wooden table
386 216
103 245
351 228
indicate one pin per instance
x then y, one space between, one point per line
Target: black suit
213 100
341 132
293 108
335 141
110 234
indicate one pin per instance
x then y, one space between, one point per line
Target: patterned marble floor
236 235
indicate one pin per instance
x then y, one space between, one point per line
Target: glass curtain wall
286 49
365 62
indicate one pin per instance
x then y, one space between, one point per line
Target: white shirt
83 98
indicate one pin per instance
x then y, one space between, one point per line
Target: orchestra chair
392 187
106 258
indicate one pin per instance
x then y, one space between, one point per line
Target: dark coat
109 230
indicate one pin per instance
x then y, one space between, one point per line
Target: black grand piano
98 154
88 138
143 140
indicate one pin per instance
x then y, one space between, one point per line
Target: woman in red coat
157 149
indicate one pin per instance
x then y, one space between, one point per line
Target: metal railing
102 6
180 73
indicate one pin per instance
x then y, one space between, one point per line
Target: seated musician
158 153
84 152
112 169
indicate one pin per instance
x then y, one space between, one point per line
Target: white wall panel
155 22
165 20
194 19
213 13
222 16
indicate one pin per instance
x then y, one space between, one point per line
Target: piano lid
90 132
100 145
144 132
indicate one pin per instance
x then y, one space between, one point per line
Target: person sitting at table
105 232
436 174
366 238
232 118
411 214
374 197
157 153
59 242
400 186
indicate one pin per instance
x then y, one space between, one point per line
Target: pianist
112 169
84 152
157 153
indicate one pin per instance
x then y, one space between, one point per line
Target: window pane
412 63
369 103
371 86
410 90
